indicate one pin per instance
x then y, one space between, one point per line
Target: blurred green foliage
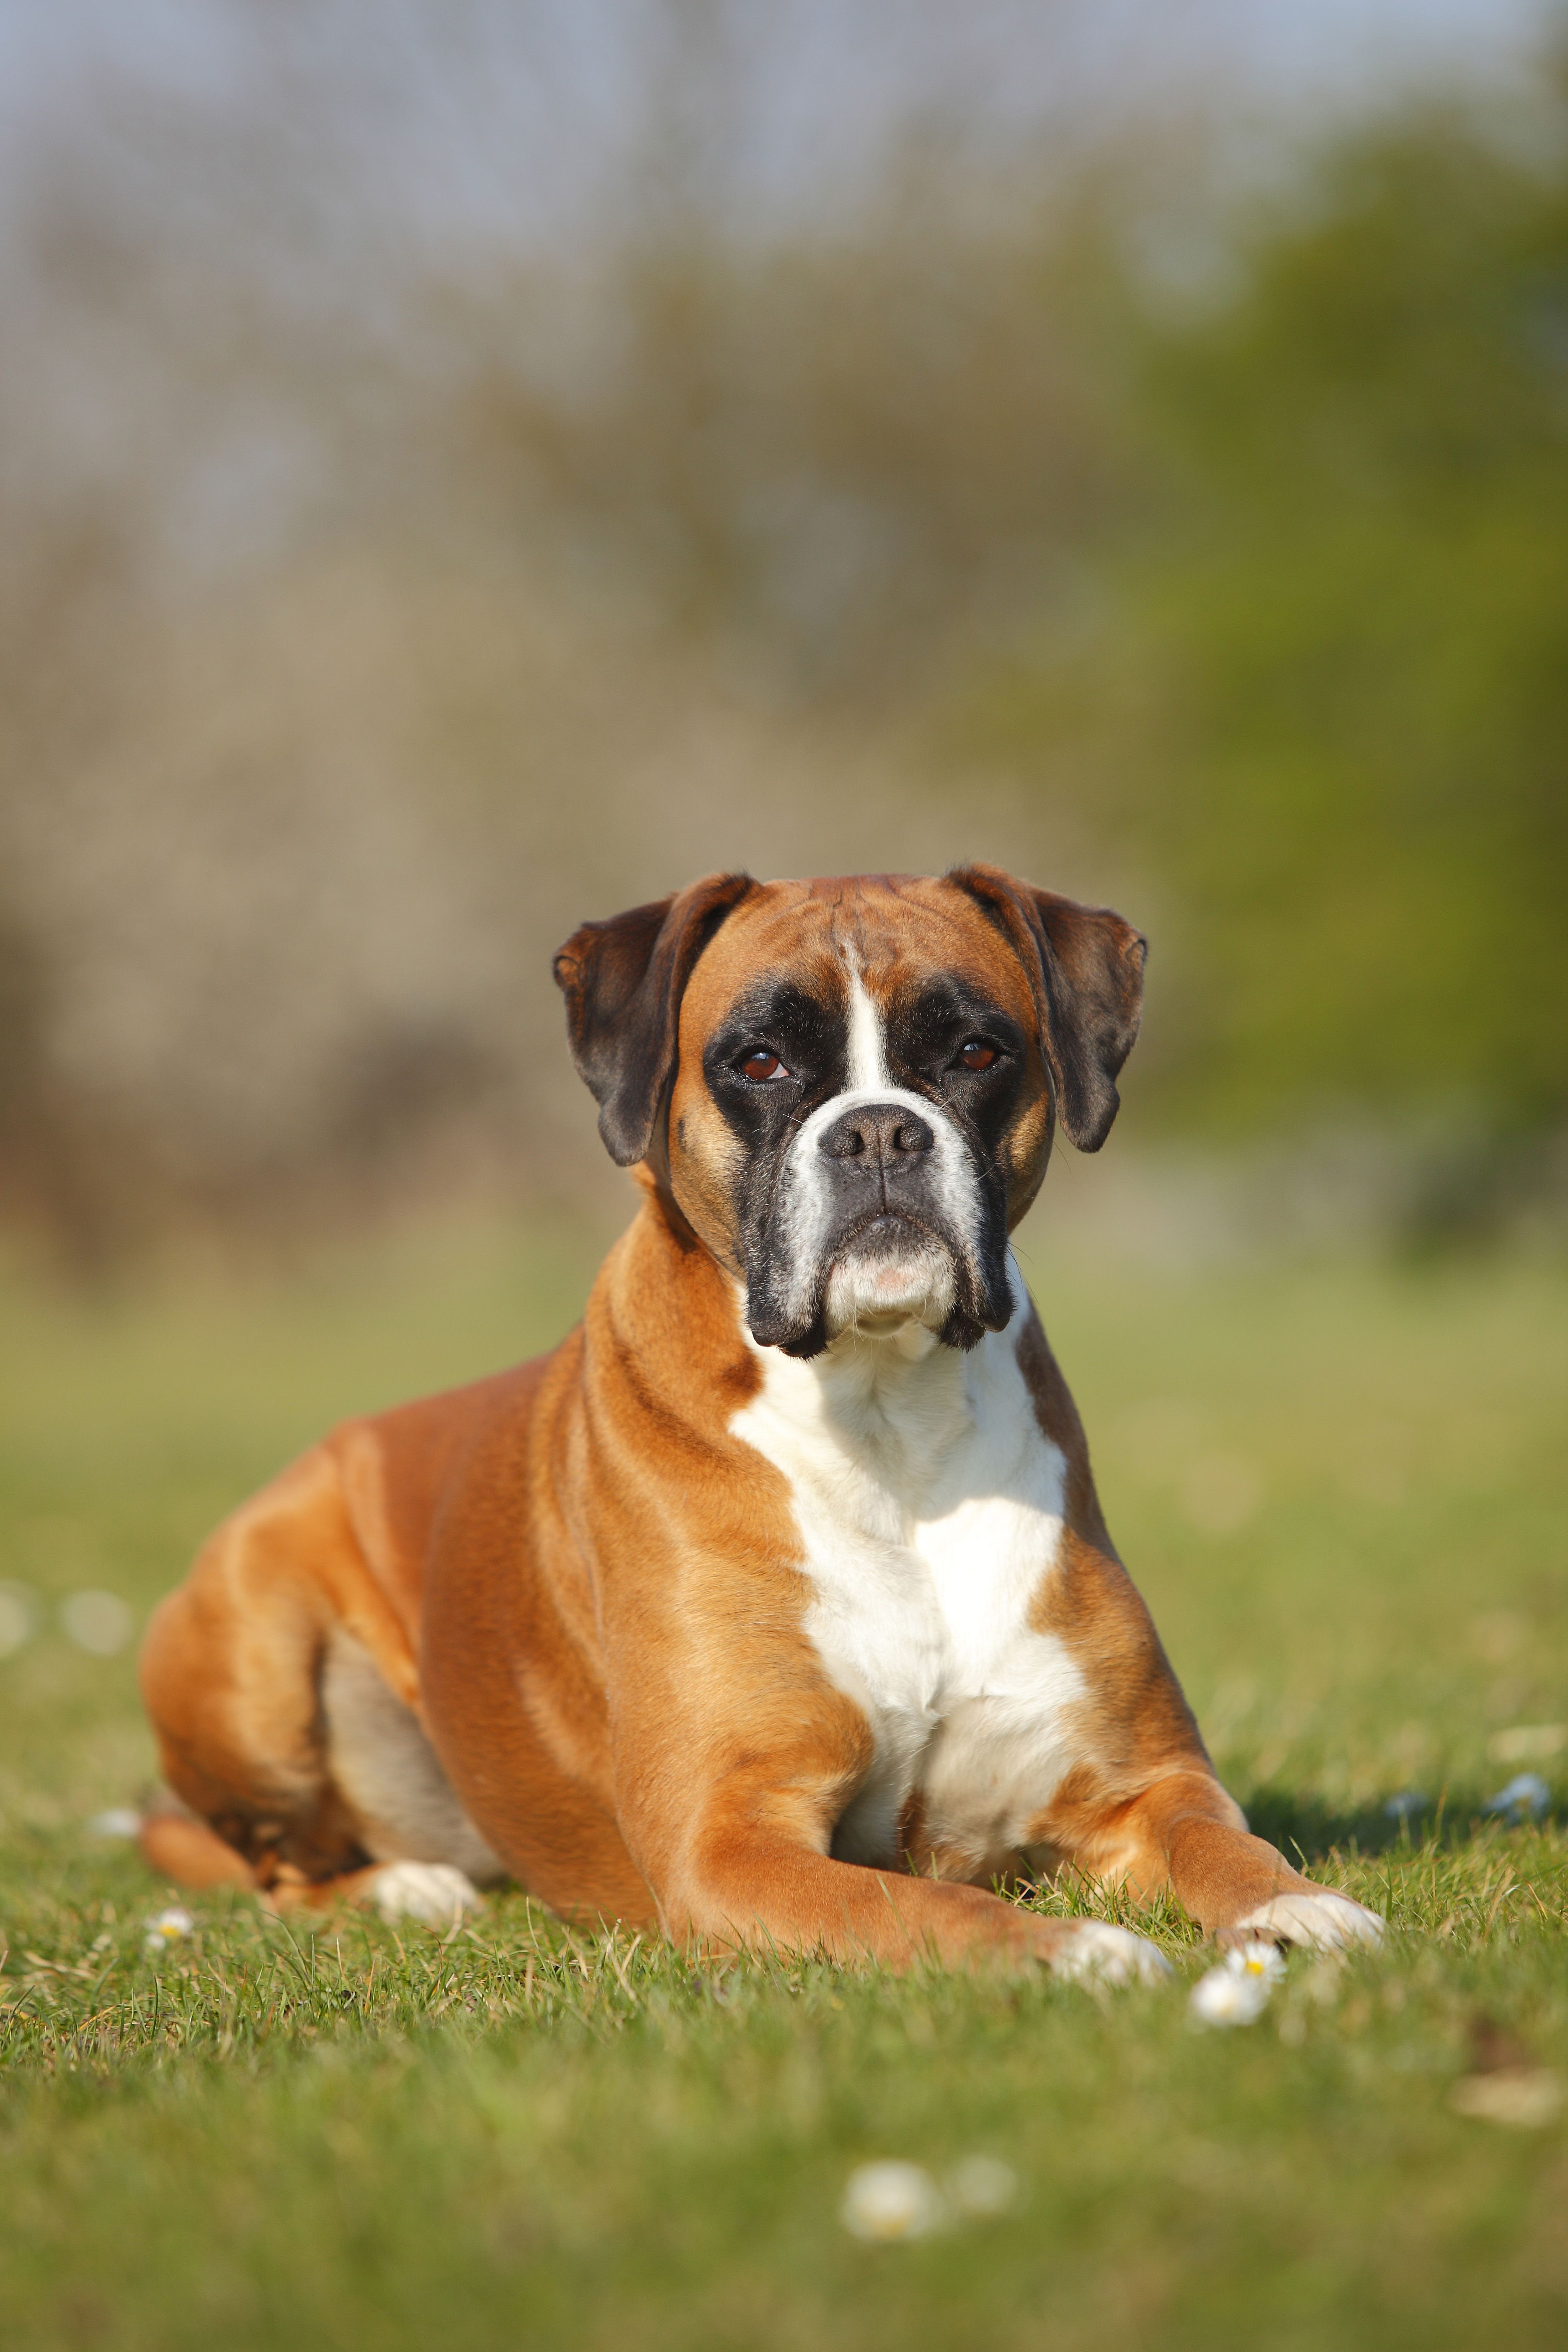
1323 691
1263 586
1198 543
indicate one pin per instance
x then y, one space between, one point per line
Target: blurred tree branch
384 587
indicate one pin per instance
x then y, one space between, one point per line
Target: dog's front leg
1186 1832
748 1888
738 1858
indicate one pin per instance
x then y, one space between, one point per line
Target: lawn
1344 1490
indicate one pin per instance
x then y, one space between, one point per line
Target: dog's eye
763 1066
976 1054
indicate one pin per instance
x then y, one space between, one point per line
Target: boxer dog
774 1610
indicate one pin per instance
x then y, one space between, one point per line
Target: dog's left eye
762 1067
976 1054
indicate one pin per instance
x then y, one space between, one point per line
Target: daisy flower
1236 1991
170 1926
885 2203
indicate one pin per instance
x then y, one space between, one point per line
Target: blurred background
470 464
468 467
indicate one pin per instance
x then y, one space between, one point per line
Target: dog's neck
900 1398
897 1399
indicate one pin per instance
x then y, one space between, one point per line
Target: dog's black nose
883 1131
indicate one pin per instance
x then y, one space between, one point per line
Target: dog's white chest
929 1508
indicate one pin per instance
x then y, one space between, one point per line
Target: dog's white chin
875 1291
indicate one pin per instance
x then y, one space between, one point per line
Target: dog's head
849 1088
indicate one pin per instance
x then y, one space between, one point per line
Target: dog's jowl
774 1608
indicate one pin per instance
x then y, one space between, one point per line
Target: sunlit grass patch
283 2133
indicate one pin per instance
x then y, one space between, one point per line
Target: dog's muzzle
882 1217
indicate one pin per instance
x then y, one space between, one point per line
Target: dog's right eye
762 1067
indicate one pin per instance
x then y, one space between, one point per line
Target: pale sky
501 111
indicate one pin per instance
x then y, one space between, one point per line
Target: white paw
1114 1955
432 1892
1325 1922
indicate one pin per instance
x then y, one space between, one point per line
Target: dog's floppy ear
1086 969
623 981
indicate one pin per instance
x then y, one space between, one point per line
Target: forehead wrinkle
780 994
770 937
897 917
898 983
897 931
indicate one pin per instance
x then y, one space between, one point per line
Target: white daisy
170 1926
1236 1991
888 2202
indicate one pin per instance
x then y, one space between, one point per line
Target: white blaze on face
916 1282
868 1063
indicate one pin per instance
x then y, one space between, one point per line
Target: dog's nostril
881 1129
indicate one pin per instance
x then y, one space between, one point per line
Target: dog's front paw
431 1892
1095 1953
1323 1921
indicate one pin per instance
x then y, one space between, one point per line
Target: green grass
1345 1493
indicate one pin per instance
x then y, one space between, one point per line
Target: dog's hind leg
178 1846
181 1848
239 1669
